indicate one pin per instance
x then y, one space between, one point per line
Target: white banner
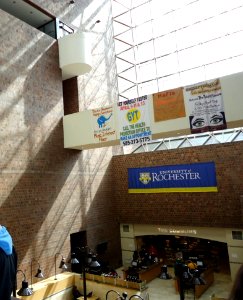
206 108
103 124
134 121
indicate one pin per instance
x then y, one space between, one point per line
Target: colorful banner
103 124
169 105
199 177
134 121
205 104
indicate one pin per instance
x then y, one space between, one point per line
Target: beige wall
48 192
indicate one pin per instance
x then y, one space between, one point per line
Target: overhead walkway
193 140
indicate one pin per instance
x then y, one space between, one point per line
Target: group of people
8 270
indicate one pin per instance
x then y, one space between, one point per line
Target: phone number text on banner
199 177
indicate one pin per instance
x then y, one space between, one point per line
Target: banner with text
169 105
134 121
205 104
198 177
103 124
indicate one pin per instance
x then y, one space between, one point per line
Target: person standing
237 288
8 265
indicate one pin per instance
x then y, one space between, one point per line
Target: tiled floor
159 289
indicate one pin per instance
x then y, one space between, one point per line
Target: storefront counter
208 276
147 274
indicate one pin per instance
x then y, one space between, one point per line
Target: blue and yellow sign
199 177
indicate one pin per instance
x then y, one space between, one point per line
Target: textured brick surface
48 192
221 209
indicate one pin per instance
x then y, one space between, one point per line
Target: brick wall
221 209
48 192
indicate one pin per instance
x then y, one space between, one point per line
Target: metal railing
193 140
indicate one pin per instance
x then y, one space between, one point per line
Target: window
237 235
166 44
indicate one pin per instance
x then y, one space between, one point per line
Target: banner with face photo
134 121
206 108
103 124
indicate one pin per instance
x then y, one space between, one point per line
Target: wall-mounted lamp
62 265
74 260
94 266
39 273
25 290
93 25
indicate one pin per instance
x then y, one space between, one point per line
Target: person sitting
191 265
76 293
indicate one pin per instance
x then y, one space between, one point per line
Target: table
147 274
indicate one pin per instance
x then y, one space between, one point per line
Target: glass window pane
165 44
189 41
146 71
130 93
193 76
129 74
142 33
148 88
123 84
141 14
167 65
119 28
169 82
145 51
191 57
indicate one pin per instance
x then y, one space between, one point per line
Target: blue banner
199 177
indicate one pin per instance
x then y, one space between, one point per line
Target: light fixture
85 255
94 262
62 265
93 25
39 274
25 290
74 260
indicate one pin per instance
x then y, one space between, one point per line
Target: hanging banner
199 177
169 105
205 104
103 124
134 121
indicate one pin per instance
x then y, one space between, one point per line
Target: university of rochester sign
198 177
